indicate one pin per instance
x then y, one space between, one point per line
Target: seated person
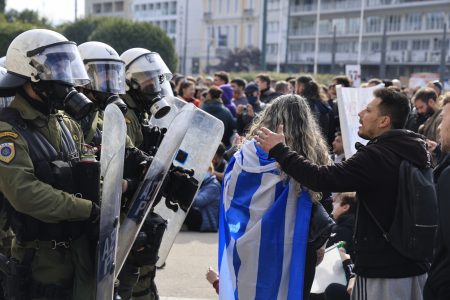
204 213
219 162
344 209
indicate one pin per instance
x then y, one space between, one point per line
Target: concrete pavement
183 277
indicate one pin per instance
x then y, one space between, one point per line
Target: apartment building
413 33
108 8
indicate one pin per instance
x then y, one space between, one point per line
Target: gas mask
59 96
147 92
104 99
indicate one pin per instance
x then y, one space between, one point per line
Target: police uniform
49 223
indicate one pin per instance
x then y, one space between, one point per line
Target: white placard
354 73
329 271
350 102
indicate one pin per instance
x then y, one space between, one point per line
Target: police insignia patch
8 134
7 152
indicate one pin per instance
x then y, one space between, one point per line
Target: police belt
53 244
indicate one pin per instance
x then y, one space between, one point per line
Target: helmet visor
149 62
60 62
166 89
106 76
149 81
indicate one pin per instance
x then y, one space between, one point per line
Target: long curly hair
301 131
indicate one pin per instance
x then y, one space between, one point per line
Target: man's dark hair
395 105
374 81
342 80
425 94
311 89
223 75
239 82
221 150
290 78
215 92
350 199
264 77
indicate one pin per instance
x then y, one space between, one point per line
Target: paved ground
184 274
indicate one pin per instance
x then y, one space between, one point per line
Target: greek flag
263 230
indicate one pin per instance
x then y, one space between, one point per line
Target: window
144 7
420 44
235 33
394 23
373 24
249 35
340 25
375 46
353 25
272 49
228 6
272 27
172 26
398 45
107 7
97 8
325 46
308 46
165 9
236 6
413 22
173 8
435 20
118 6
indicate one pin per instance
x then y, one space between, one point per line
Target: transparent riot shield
150 186
195 152
111 162
176 104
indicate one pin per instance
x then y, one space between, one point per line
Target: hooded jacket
215 107
373 173
438 283
227 95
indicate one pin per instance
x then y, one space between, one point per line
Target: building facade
108 8
405 35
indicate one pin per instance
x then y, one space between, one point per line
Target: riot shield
176 104
111 162
196 152
151 184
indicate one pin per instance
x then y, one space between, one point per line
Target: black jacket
343 231
216 108
438 283
373 173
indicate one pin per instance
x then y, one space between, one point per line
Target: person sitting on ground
204 213
219 162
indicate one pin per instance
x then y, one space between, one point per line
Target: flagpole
361 26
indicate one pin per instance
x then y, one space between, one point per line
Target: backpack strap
385 234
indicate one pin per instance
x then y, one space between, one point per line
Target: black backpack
413 230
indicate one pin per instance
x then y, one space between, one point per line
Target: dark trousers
193 220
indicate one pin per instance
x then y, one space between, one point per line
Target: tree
80 30
27 16
241 60
124 34
2 6
8 32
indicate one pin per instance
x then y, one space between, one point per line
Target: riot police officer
146 74
39 147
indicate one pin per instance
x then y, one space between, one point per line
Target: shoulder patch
7 152
8 134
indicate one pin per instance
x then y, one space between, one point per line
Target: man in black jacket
438 283
382 272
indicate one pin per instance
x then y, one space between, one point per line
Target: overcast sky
57 11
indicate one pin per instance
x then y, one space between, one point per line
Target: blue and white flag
263 230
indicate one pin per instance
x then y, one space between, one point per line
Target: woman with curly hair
265 214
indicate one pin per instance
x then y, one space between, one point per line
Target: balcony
248 13
207 16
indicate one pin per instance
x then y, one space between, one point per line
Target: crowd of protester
237 103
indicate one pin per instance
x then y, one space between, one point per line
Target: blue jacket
207 202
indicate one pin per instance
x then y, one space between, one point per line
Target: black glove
136 162
94 217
